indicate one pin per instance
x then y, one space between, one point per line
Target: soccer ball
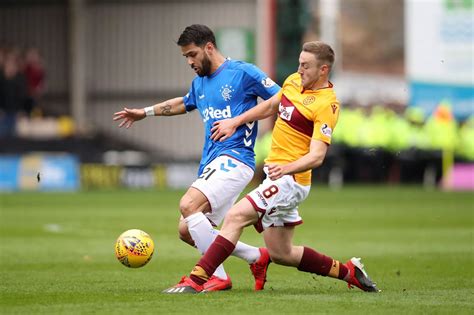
134 248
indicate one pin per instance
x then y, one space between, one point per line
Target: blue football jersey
230 91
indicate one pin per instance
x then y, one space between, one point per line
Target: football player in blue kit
223 88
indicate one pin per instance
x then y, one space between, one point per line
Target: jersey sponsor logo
262 199
294 118
226 92
213 113
286 112
308 100
326 130
268 83
334 108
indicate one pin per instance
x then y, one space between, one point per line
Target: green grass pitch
57 255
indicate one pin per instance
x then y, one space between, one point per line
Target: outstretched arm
225 128
171 107
314 158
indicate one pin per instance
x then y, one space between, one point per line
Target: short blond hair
323 52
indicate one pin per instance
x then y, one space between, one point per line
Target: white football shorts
221 182
276 202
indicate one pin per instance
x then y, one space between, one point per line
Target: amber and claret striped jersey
302 116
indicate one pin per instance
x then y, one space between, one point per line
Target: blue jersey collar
221 67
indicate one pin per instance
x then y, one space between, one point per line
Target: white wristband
149 111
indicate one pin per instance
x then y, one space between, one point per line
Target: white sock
202 233
244 251
249 253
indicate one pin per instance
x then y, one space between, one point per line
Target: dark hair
197 34
322 51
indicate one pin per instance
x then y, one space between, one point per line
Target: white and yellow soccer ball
134 248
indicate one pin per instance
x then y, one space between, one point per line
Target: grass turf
56 255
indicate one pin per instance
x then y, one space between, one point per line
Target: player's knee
187 206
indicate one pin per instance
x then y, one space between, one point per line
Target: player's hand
223 129
129 116
275 171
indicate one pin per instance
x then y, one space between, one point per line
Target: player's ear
209 48
325 69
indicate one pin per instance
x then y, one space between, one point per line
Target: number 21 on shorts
207 172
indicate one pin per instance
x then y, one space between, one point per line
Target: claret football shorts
221 182
276 202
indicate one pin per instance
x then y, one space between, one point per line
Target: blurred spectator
13 92
351 120
35 75
418 138
376 132
441 128
413 157
465 148
400 132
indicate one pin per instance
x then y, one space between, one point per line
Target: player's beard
205 67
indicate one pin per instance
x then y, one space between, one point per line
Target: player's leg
193 205
239 216
183 232
245 212
277 202
193 201
257 258
279 243
213 194
249 253
225 179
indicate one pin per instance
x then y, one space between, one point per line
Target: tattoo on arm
166 109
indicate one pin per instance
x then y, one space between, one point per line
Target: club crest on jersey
308 100
268 83
326 130
226 92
